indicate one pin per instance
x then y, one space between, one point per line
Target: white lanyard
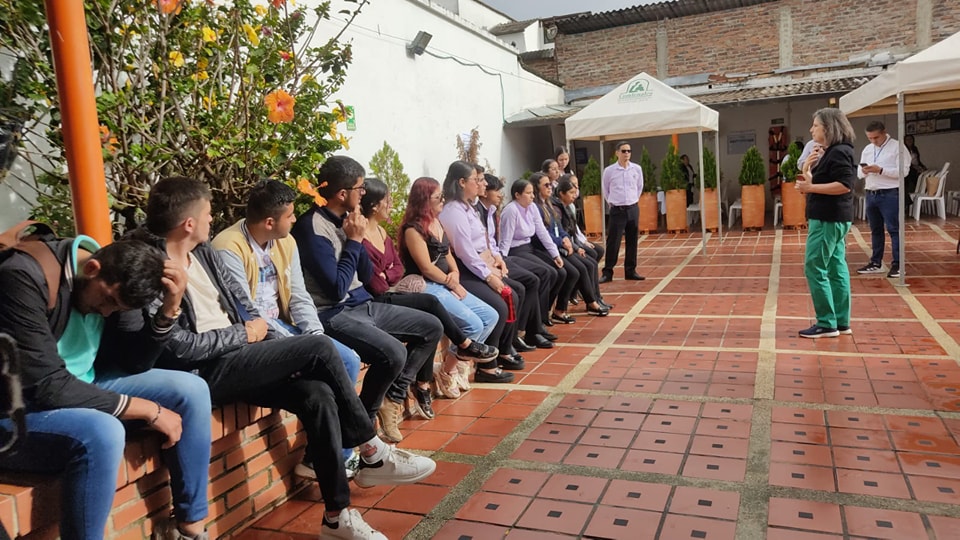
876 152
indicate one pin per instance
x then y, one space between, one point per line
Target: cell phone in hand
864 165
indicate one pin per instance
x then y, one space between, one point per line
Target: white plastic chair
937 200
733 212
777 206
693 213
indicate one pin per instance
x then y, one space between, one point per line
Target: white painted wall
419 105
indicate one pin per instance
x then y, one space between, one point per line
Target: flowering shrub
225 92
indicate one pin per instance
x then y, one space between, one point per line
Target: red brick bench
251 471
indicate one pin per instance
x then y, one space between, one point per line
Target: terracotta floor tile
640 495
582 401
803 454
466 530
594 456
556 516
448 474
542 379
655 462
426 440
260 534
694 527
638 385
488 395
571 488
675 408
799 395
866 459
367 497
571 417
283 514
801 433
622 523
855 420
541 451
862 399
473 409
613 438
723 428
727 411
556 433
719 446
391 524
785 415
516 482
945 528
702 502
715 468
891 524
499 427
859 438
509 410
661 442
495 508
475 445
927 488
449 423
413 499
669 424
915 423
618 420
802 476
937 465
923 442
873 483
809 515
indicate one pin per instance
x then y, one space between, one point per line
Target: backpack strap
52 268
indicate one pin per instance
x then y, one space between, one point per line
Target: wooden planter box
709 211
649 213
753 199
794 206
676 210
593 214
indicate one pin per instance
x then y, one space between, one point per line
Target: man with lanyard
878 164
622 185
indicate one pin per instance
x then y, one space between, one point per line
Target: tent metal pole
716 159
603 202
703 222
901 128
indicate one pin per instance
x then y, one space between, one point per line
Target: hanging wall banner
738 142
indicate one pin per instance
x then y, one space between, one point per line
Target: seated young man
221 335
262 257
78 413
335 266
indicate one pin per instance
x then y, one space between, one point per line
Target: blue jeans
351 361
883 210
85 447
475 318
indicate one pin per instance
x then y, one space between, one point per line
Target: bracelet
157 417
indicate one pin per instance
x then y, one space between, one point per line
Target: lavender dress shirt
468 236
519 224
622 186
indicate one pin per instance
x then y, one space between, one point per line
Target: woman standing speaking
828 176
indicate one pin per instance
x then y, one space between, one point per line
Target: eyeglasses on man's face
361 189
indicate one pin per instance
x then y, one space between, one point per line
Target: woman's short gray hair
836 127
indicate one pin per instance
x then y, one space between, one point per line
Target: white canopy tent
928 80
645 107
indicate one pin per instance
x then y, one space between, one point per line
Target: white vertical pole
703 206
603 202
716 159
901 128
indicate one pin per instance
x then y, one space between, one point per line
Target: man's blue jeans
883 210
475 318
85 447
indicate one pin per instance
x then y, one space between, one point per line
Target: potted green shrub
592 201
752 193
673 184
649 210
708 203
794 202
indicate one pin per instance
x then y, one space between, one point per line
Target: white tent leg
901 129
703 206
603 203
716 159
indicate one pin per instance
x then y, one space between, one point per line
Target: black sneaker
870 268
498 376
815 332
845 330
894 271
478 351
423 402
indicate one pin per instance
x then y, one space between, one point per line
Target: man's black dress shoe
606 278
635 277
548 335
540 341
522 346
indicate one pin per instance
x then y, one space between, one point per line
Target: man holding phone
878 165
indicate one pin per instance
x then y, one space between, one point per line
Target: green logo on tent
637 90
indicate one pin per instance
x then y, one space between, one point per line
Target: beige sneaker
446 382
390 416
463 380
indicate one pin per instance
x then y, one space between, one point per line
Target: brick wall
746 40
544 67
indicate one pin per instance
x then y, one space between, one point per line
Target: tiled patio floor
695 411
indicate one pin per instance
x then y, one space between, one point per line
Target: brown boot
390 415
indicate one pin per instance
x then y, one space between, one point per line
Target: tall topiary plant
709 169
790 167
590 182
671 176
386 165
752 171
649 172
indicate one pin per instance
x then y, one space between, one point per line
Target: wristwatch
163 321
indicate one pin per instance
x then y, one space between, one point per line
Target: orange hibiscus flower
170 6
307 188
278 3
279 106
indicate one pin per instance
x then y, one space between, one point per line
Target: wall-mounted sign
351 118
738 142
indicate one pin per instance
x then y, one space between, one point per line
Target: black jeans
530 317
303 375
426 303
587 282
547 274
623 222
378 332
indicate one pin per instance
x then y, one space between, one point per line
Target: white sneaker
305 470
396 467
351 526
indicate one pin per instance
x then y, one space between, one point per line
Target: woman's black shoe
604 304
565 319
522 346
510 364
540 341
547 322
498 376
599 312
548 335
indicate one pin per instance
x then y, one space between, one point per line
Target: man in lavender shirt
622 185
